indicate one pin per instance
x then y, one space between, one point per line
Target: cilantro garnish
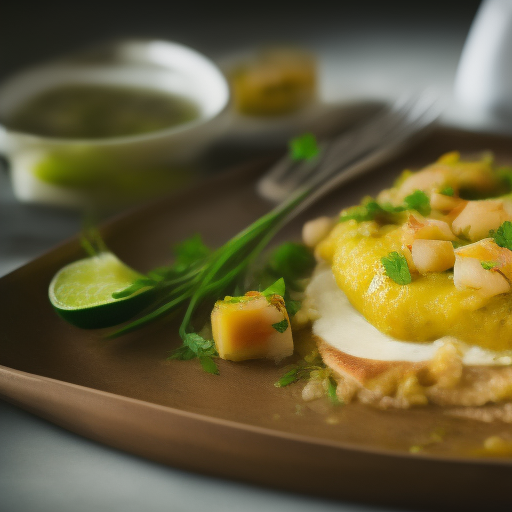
199 276
488 265
503 235
332 386
281 326
302 370
277 288
369 210
189 255
292 306
194 345
190 251
288 378
292 261
396 268
311 368
304 147
372 210
447 191
418 201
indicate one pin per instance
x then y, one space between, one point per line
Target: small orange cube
252 327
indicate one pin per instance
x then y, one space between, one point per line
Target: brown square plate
238 425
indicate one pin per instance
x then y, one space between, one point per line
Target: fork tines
353 152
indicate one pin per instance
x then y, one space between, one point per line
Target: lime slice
81 292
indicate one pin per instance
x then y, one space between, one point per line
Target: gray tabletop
45 468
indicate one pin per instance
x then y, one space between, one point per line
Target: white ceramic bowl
121 168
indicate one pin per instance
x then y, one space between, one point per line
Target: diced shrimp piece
428 179
407 252
420 228
469 273
479 217
432 255
314 231
488 251
443 203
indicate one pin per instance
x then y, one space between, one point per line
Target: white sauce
344 328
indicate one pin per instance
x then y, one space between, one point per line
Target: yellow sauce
427 309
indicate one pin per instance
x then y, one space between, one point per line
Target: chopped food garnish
396 268
255 326
304 147
503 235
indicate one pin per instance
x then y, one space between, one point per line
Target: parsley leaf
369 210
312 367
447 191
182 353
292 261
418 201
189 255
503 235
292 306
233 300
332 386
281 326
277 288
209 365
304 147
288 378
194 345
396 268
190 251
372 210
488 265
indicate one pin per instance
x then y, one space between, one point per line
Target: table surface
46 468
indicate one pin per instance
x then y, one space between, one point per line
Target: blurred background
34 31
366 51
362 52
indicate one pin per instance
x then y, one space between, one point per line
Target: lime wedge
81 292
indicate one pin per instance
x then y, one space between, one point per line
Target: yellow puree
426 309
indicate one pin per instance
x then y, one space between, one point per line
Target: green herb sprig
488 265
307 370
447 191
503 235
304 147
396 268
372 210
200 276
290 261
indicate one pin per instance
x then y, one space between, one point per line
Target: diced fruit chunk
422 229
469 273
493 256
479 217
432 255
252 327
443 203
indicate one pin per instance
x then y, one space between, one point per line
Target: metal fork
350 154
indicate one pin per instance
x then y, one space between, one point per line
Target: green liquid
101 111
